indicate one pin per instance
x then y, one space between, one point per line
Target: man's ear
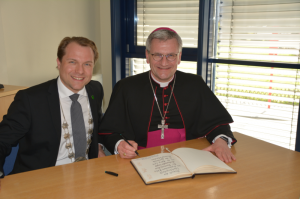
147 56
58 63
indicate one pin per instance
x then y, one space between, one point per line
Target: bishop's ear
147 56
179 58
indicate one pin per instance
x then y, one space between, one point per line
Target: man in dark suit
51 127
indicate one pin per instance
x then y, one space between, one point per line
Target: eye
157 55
171 55
72 62
88 64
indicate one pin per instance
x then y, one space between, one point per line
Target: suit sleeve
14 125
99 111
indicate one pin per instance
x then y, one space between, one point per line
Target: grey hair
163 35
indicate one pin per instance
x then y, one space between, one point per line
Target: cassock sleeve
213 118
115 120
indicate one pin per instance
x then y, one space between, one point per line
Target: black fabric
34 121
131 103
173 118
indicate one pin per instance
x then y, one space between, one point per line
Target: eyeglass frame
162 56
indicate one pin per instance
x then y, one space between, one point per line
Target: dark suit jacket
34 121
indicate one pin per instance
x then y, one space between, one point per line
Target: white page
195 158
162 165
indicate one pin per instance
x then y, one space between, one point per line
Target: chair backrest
10 160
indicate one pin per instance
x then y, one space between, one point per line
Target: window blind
267 30
181 16
263 101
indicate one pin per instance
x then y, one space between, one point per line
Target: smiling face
76 66
164 69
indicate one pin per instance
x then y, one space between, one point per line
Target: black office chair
10 160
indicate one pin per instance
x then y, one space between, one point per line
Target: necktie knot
74 97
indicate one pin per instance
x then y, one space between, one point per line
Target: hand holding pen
127 149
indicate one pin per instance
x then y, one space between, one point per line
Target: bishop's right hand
127 151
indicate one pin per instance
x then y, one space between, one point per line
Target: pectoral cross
162 126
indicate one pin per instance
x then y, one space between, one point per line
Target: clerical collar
162 84
65 92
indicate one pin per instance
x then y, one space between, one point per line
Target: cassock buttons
165 95
165 104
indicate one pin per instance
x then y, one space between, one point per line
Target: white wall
105 50
30 31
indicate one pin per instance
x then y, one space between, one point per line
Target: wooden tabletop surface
263 171
10 90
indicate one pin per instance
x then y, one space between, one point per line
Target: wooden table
7 95
263 171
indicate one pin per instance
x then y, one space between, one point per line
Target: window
181 16
263 101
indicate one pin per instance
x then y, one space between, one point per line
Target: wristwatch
1 174
224 138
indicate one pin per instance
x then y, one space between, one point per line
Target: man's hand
127 151
221 149
100 151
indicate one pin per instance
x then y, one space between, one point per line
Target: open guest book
180 163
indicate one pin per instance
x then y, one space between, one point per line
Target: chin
165 78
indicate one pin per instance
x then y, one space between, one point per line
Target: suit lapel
92 100
54 106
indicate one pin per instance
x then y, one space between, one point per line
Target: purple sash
171 136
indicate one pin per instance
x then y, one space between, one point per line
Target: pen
129 144
111 173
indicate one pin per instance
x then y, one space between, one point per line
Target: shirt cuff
222 135
116 146
101 146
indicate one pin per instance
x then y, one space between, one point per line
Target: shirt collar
162 84
65 92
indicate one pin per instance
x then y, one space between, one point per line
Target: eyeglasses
170 57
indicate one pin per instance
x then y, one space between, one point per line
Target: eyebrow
164 54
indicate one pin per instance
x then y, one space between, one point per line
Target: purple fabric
164 28
171 136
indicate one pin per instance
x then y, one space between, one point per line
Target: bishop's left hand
221 149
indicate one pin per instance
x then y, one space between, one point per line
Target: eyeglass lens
170 57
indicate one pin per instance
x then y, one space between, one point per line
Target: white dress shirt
64 96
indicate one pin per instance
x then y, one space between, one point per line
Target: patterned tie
78 127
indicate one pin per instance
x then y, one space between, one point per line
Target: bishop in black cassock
192 112
133 111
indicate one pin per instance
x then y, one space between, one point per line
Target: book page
160 166
195 158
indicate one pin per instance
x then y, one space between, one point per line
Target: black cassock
133 111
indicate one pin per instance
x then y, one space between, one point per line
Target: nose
79 69
164 61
